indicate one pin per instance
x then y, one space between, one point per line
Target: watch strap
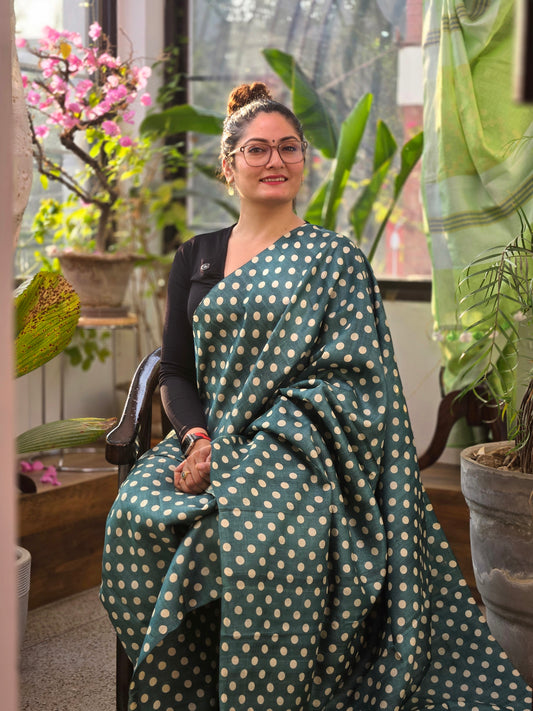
190 439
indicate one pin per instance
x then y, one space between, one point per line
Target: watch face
188 442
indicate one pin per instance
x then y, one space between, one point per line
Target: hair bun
246 94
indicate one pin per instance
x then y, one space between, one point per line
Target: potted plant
85 96
46 313
497 479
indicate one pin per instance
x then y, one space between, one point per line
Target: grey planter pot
100 280
501 538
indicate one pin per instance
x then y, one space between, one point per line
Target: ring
185 474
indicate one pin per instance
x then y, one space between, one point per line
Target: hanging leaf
317 123
63 433
47 310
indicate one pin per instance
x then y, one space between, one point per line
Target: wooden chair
125 443
478 409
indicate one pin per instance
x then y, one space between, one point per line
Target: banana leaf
384 150
180 119
63 433
411 152
317 122
47 310
352 131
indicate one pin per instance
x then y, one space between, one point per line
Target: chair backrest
132 435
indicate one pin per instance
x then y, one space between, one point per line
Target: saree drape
477 169
312 573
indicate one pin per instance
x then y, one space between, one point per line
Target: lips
274 179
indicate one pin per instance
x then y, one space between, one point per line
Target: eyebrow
264 140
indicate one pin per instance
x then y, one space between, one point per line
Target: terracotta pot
100 280
501 538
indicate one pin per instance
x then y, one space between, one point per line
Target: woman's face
276 182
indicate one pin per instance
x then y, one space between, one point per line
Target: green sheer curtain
478 150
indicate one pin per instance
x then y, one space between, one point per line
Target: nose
275 159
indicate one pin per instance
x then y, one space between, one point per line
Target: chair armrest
131 437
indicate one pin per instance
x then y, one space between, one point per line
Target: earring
231 191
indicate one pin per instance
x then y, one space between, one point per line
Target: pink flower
128 116
20 42
111 128
74 64
48 66
91 61
107 60
50 477
95 31
46 103
74 107
125 142
82 87
116 95
33 97
50 35
58 85
42 131
146 100
142 75
25 81
56 117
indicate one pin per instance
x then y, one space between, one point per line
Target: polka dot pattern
312 574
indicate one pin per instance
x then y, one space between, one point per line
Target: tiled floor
67 660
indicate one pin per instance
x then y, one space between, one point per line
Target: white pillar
8 608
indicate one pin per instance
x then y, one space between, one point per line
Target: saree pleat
312 574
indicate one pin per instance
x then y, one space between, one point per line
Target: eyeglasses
258 154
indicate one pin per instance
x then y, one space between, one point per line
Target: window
347 48
31 17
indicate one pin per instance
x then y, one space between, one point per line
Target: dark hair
244 104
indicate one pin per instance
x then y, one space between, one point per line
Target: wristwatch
187 443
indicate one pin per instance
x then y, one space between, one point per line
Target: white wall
419 361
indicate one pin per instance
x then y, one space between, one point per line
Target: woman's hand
192 476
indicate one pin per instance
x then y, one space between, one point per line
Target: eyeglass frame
242 148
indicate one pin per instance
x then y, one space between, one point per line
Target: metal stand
112 324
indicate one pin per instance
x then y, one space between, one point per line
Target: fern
495 296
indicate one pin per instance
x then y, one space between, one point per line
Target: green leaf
44 181
315 207
352 130
384 149
411 153
63 433
319 126
47 310
180 119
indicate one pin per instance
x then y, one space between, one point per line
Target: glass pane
347 48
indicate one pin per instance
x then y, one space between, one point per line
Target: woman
277 550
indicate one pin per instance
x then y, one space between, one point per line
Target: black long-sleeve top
198 266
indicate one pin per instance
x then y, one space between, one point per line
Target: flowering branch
86 95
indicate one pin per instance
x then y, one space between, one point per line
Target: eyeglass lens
257 154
